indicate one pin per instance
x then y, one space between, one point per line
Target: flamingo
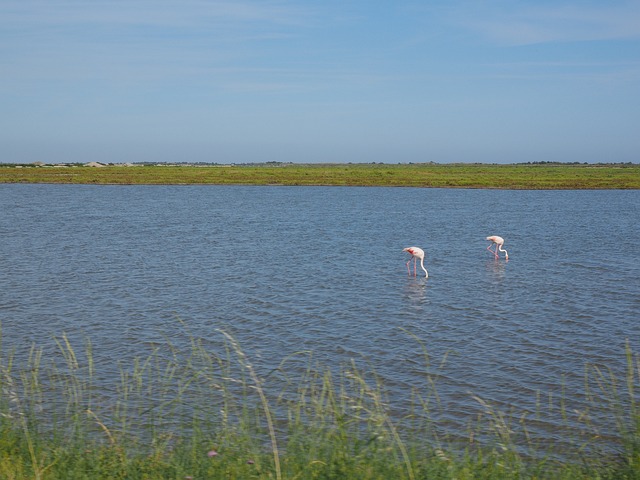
415 254
498 242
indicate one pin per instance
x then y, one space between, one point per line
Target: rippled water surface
286 269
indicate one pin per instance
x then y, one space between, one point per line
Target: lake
290 269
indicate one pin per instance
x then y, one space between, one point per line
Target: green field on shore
512 176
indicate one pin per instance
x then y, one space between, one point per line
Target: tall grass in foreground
210 413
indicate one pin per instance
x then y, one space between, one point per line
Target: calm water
286 269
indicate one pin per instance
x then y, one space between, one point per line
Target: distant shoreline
537 176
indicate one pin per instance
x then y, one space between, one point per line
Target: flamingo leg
415 268
408 269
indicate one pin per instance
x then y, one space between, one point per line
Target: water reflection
415 290
497 268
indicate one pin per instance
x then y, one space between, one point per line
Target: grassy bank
211 413
521 176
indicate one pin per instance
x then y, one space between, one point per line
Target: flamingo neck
425 270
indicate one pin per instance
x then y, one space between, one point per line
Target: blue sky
238 81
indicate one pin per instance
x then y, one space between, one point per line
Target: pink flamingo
416 253
498 242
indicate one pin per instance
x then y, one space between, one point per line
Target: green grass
210 413
517 176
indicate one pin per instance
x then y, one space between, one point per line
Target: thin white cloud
529 23
146 12
29 28
136 39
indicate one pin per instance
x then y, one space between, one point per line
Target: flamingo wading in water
498 242
416 253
